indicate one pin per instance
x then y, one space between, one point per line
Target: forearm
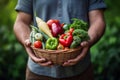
21 31
97 26
21 27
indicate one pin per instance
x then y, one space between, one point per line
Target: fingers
78 58
85 43
27 42
40 61
67 63
71 62
47 63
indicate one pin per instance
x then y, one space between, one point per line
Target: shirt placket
59 10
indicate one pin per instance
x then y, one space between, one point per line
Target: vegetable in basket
76 42
51 21
60 47
79 24
82 34
37 44
38 36
52 43
66 39
39 31
43 27
55 27
32 35
66 27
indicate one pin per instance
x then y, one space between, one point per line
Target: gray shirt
63 10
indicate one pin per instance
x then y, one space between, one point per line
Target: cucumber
43 45
32 38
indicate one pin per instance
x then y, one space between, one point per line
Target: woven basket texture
57 56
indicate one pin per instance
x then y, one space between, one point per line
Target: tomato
49 22
38 44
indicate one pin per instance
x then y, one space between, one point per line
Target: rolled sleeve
97 4
24 6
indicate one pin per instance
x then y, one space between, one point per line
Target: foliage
12 56
105 54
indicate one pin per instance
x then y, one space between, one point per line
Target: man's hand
40 61
83 53
22 32
95 32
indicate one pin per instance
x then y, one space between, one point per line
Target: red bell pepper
71 30
66 39
49 22
55 27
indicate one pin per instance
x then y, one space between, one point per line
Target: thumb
27 42
84 43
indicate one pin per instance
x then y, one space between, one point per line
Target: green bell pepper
52 43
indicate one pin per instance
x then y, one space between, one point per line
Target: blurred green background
105 54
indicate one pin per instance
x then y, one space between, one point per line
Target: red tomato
49 22
38 44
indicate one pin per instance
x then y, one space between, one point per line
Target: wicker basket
57 56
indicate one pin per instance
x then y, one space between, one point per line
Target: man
79 68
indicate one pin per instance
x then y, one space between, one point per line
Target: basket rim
57 51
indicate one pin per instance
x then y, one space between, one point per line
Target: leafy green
82 34
76 42
79 24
